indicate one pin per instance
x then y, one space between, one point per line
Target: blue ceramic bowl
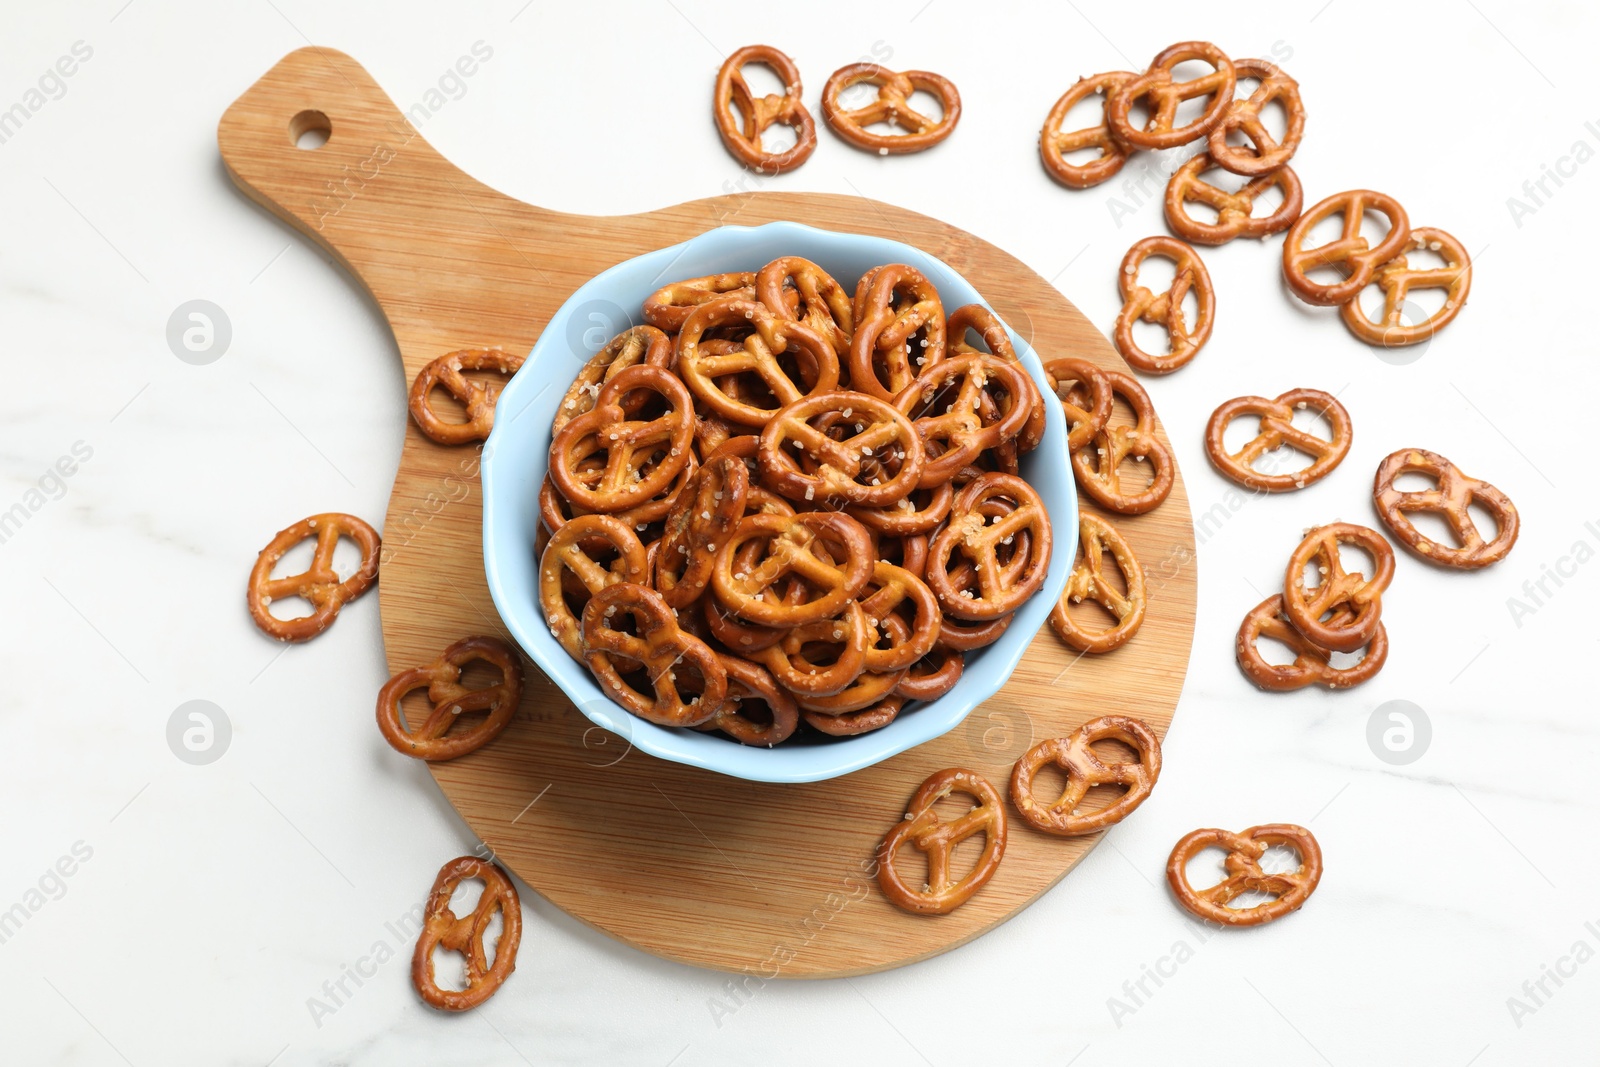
517 454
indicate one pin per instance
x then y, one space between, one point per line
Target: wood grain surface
688 864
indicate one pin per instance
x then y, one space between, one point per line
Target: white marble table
154 911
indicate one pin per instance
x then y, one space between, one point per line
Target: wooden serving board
685 863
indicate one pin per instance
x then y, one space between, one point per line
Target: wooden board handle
375 174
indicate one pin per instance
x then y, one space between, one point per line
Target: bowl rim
723 756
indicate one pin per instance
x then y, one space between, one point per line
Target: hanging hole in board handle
310 129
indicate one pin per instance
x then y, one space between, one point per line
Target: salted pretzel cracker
795 660
1263 153
1243 866
1014 558
1350 252
925 831
742 117
891 305
740 637
1085 395
697 527
919 513
638 344
855 723
450 699
890 589
751 682
981 543
1085 768
669 307
1163 96
629 476
1235 209
997 344
660 647
477 397
1451 498
932 676
1277 429
1096 537
1397 279
903 550
1361 594
771 335
441 926
986 324
555 510
824 305
1164 309
828 549
958 635
1312 665
954 418
319 584
894 90
1056 144
877 460
867 690
570 550
1097 464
